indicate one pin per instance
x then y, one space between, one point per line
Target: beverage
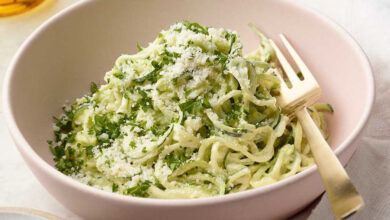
12 7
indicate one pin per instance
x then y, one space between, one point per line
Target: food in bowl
186 117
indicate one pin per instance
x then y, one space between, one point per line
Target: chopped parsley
206 103
140 190
158 130
93 88
221 59
184 76
120 75
115 187
194 106
145 101
132 144
158 184
232 38
152 76
66 159
175 159
233 115
103 126
139 47
89 152
169 58
64 123
195 27
191 107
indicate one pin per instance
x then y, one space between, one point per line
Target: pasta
186 117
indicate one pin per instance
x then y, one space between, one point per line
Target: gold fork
344 198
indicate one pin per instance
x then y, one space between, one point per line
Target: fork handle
344 198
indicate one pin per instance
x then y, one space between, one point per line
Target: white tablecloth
369 24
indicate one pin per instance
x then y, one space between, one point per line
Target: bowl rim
24 147
28 212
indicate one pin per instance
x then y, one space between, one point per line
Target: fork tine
292 76
301 65
283 85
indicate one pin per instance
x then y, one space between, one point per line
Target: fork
344 198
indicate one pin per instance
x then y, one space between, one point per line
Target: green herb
144 150
229 35
233 115
185 75
132 144
208 61
70 138
175 159
158 130
152 76
174 80
204 132
139 190
57 151
100 122
191 106
104 125
120 75
232 38
93 88
221 59
206 103
168 57
145 102
195 27
142 92
64 124
139 47
89 152
158 184
66 160
178 29
232 133
115 187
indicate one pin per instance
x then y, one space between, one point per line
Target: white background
368 21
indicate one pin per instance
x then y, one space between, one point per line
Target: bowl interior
79 46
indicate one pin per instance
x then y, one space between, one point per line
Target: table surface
367 21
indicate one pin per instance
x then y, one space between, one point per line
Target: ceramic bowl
78 45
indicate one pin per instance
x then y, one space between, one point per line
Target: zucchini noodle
188 116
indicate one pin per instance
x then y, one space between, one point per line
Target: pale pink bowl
78 45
